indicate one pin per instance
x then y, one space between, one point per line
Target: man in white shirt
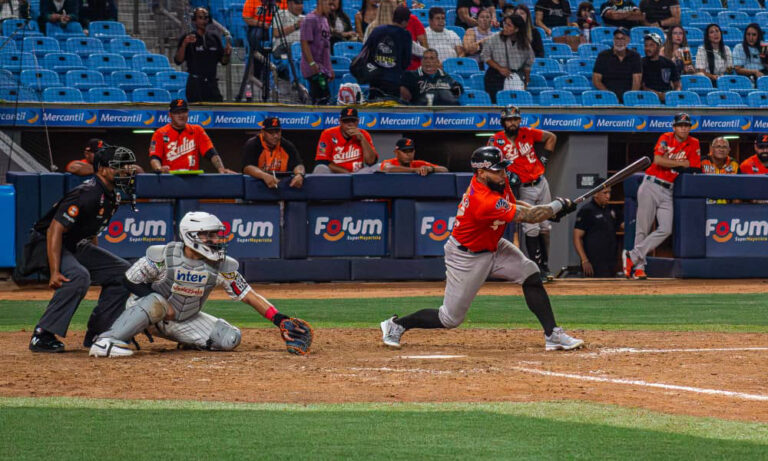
290 20
446 42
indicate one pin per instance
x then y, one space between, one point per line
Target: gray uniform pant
466 272
536 195
653 202
195 331
324 169
88 265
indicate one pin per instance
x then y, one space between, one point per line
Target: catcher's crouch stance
170 285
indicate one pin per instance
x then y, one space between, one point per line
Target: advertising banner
348 229
253 231
434 222
736 230
130 233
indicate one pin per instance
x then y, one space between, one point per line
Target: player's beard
511 133
497 186
763 156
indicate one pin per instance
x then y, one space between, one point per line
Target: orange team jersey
395 162
708 166
180 150
346 153
753 165
525 163
255 9
482 217
670 147
84 160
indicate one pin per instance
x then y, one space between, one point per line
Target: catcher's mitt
297 335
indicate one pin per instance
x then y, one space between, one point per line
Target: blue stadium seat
127 47
731 36
40 79
638 48
347 49
7 79
747 6
724 98
514 97
757 99
84 79
458 30
461 66
150 64
576 84
28 29
559 51
16 62
106 62
682 99
62 94
762 83
474 98
153 95
296 50
565 31
476 81
761 19
710 6
557 98
599 98
9 46
106 95
641 98
695 18
12 94
731 18
591 50
106 30
83 46
72 29
637 33
340 64
546 67
695 38
601 33
450 17
171 80
544 37
580 66
699 84
422 14
129 80
537 84
737 83
40 46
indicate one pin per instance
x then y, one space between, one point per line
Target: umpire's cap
488 158
510 112
682 119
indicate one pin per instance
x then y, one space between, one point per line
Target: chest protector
187 282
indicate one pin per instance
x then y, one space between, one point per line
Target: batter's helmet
510 112
488 158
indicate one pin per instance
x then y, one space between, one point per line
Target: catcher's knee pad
146 311
154 305
224 336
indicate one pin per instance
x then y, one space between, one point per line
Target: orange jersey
668 146
483 216
753 165
255 9
180 150
708 166
395 162
520 152
83 160
343 152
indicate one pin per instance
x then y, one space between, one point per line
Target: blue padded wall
462 182
316 187
728 186
295 244
27 187
393 185
403 220
51 190
688 239
200 186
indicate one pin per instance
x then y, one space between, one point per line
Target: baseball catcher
170 285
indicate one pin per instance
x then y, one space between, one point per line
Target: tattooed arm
533 214
219 165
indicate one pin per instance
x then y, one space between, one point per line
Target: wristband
556 206
313 63
271 312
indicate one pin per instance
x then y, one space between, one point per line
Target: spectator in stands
259 19
619 69
268 154
534 36
713 58
405 151
594 236
346 148
467 11
341 26
316 53
585 19
419 39
59 12
291 19
9 9
659 73
390 51
202 49
758 163
475 36
178 145
552 13
430 85
747 57
365 16
445 41
383 16
508 57
718 161
97 10
676 49
621 13
660 13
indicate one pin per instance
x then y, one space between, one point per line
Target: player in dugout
405 151
269 154
346 148
84 166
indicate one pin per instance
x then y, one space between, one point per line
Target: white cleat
108 347
391 332
559 340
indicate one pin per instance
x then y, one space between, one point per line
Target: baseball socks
425 318
538 302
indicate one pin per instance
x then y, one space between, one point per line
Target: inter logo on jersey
189 277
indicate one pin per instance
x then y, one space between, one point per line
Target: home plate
432 356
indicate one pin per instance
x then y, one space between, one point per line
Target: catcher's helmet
510 112
488 158
201 232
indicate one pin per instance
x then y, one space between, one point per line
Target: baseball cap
762 141
510 112
271 123
682 119
405 144
349 113
179 105
94 144
621 30
401 14
653 37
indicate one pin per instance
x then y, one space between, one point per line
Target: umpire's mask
121 159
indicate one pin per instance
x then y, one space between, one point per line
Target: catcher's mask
203 233
121 159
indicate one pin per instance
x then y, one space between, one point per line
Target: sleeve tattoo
535 214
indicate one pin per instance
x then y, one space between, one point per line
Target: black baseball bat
619 176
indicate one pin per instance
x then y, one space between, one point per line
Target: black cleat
44 341
88 340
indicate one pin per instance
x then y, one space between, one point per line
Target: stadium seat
150 64
731 18
576 84
641 98
601 33
747 6
107 62
39 79
474 98
710 6
638 48
682 99
565 31
514 97
695 19
591 50
62 94
557 98
757 99
129 80
637 34
476 81
7 79
347 49
695 38
339 64
537 84
699 84
171 80
296 50
151 95
461 66
106 95
546 67
83 46
599 98
8 46
106 30
40 46
16 62
761 19
11 94
62 34
731 36
762 83
84 79
11 26
724 98
422 14
737 83
458 30
127 47
580 66
559 51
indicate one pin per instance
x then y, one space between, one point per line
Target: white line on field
632 350
636 382
436 356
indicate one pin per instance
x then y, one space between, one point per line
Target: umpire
64 242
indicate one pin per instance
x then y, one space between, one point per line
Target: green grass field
70 428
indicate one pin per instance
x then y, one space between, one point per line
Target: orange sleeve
536 134
744 167
249 9
156 146
324 147
661 145
204 143
388 162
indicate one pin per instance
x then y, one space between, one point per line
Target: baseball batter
675 152
476 250
516 143
170 285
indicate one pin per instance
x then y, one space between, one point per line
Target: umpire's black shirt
84 212
599 225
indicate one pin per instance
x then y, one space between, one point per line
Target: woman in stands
534 36
675 49
585 19
508 57
747 58
383 17
341 26
475 36
714 58
365 16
